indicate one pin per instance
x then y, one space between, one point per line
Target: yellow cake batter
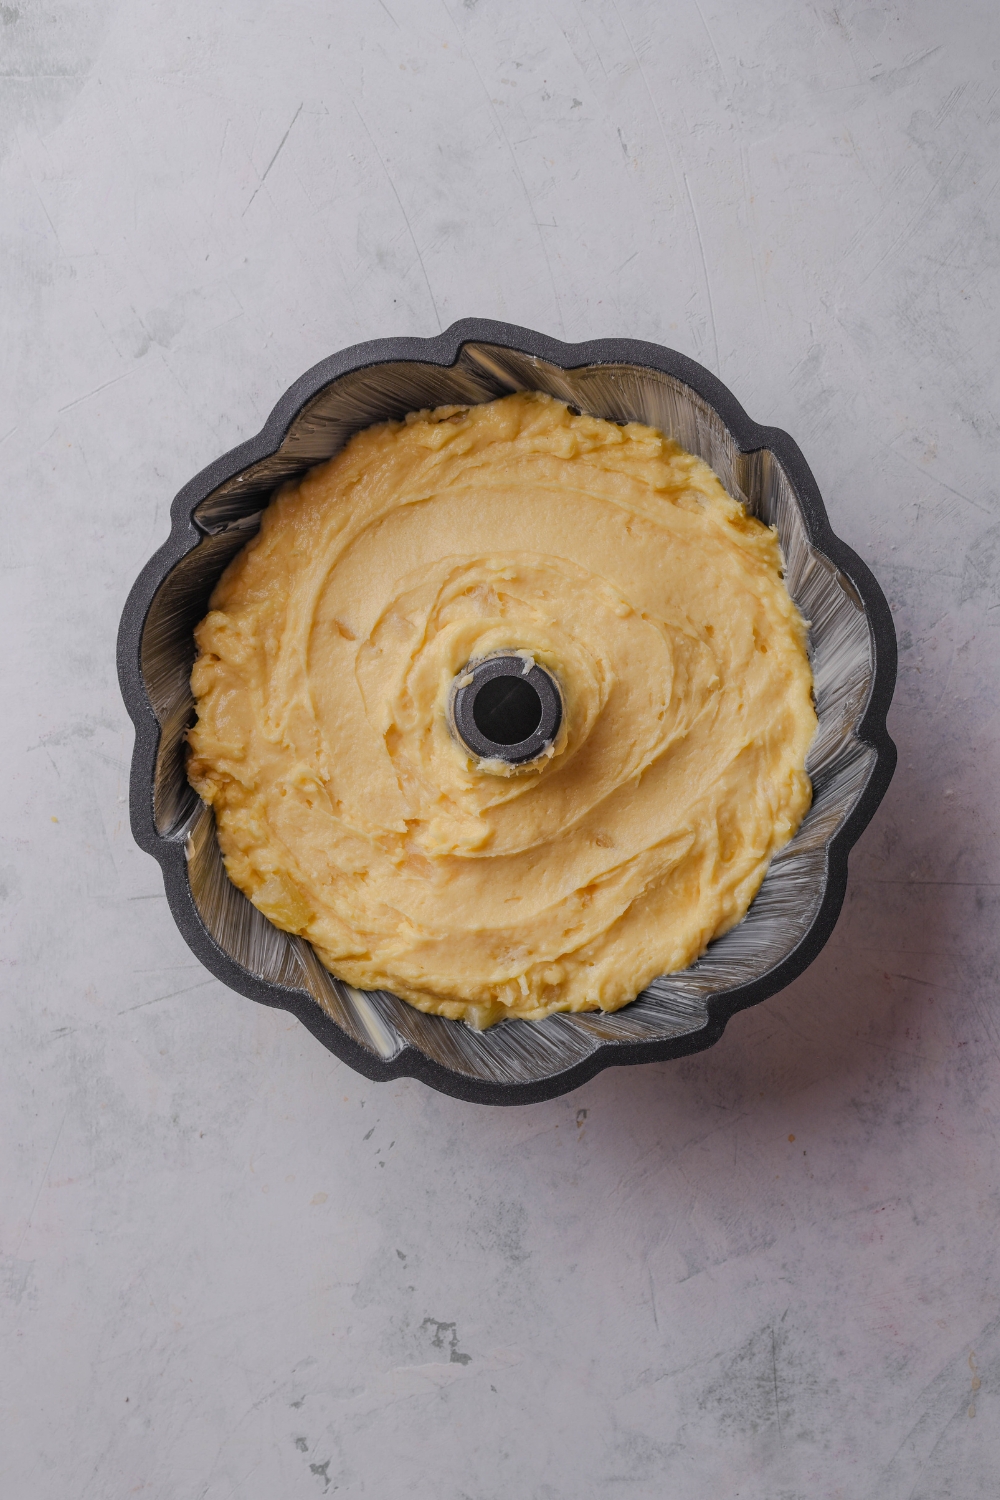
347 810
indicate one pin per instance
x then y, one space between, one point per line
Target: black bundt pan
852 645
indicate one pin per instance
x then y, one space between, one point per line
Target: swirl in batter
348 811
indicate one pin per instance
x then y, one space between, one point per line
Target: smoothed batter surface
347 811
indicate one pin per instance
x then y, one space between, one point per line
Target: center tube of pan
504 709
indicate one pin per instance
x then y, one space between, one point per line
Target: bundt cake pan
851 641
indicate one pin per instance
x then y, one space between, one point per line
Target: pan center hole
507 710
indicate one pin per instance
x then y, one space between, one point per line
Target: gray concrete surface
230 1267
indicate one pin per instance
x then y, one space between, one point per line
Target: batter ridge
349 810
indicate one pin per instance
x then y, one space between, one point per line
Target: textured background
229 1266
